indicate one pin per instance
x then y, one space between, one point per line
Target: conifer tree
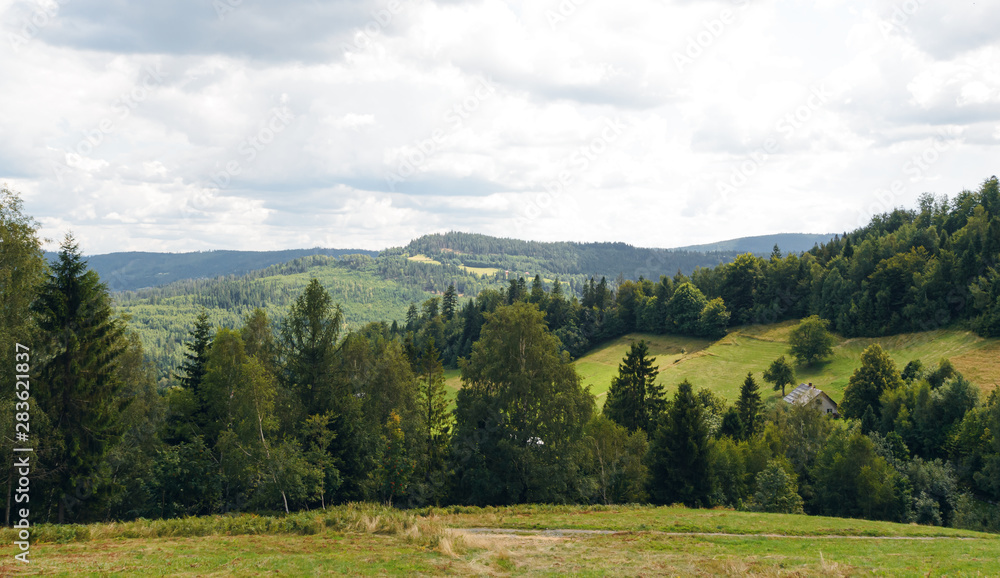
308 337
195 364
449 302
77 387
678 454
432 403
749 406
635 400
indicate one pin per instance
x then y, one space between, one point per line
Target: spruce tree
678 454
449 302
749 406
635 400
77 386
195 361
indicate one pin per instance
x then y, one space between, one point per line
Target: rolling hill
136 270
564 259
763 244
721 365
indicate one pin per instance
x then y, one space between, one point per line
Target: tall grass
354 517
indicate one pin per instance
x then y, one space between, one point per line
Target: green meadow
722 365
529 540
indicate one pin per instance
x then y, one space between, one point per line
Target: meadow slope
722 365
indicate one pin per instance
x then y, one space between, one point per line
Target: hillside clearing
721 365
481 271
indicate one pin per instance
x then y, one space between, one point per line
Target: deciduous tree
811 341
780 373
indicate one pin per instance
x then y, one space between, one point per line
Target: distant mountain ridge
595 259
763 244
136 270
129 271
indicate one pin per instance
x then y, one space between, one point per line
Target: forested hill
136 270
129 271
588 259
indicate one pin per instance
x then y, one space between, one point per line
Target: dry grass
981 366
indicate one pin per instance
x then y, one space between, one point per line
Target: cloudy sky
180 125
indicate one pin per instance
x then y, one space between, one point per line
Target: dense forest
293 412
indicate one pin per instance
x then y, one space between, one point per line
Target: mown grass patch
423 259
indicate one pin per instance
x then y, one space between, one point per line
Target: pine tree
749 406
635 400
77 389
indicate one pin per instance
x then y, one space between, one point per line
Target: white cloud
161 126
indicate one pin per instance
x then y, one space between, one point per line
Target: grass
452 383
481 271
721 365
423 259
362 539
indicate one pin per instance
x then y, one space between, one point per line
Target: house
807 393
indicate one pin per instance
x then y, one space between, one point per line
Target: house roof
805 393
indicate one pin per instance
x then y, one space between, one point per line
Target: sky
192 125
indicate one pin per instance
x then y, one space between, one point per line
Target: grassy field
522 540
481 271
722 365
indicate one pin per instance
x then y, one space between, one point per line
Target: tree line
297 413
